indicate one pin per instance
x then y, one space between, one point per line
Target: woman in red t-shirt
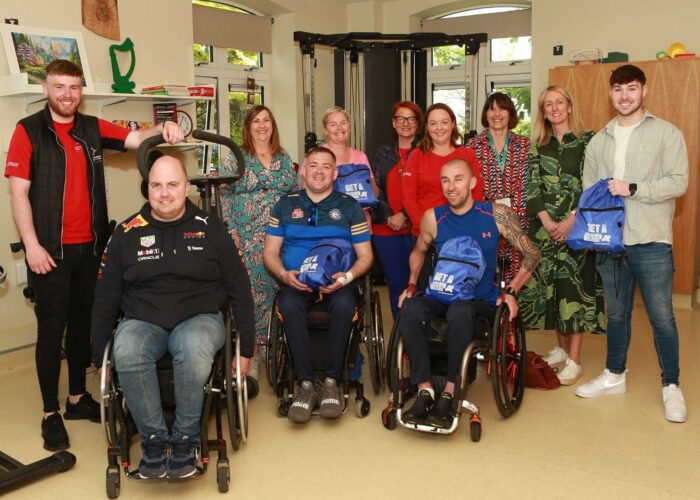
420 183
391 233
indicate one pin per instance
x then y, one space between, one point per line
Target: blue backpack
459 268
327 257
354 180
600 220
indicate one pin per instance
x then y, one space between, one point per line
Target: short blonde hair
542 131
330 111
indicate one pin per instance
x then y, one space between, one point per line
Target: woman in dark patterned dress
503 158
565 293
269 173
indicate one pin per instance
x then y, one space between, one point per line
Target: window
448 55
518 48
228 69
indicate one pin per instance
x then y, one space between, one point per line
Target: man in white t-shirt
647 161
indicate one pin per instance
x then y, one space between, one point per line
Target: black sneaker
54 433
85 408
183 457
423 404
154 457
441 416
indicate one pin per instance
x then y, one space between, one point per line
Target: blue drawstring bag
459 268
354 180
327 257
600 220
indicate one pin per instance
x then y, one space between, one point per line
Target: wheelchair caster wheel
362 407
389 418
113 480
222 475
475 430
282 409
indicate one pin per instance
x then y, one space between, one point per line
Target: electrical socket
558 50
21 273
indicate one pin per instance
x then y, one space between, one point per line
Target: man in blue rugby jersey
297 223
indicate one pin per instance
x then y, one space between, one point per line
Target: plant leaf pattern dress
565 292
246 209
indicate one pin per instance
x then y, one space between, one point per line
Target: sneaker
556 356
304 403
331 402
571 373
85 408
604 384
154 457
54 433
183 457
674 404
421 407
441 416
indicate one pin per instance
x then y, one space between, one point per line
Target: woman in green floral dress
565 293
269 173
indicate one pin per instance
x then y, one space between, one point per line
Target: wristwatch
633 188
510 291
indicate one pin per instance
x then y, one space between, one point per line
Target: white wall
640 28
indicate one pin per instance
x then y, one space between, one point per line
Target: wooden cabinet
674 95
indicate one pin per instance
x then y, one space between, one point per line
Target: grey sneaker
183 457
304 403
154 457
331 405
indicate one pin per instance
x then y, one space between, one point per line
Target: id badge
504 201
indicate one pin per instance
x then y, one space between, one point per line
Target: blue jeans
192 344
651 267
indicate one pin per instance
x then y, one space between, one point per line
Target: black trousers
295 306
461 318
63 303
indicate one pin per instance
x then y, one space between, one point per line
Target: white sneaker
604 384
571 373
674 404
556 356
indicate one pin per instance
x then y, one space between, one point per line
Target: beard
65 110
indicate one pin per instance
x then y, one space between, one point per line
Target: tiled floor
556 446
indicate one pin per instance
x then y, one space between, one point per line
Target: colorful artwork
30 50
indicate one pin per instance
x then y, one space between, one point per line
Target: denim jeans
651 267
192 344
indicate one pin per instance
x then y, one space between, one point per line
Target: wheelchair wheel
276 356
241 390
272 332
372 337
113 482
391 366
475 430
231 400
222 475
507 359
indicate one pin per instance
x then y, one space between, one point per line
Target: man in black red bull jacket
169 269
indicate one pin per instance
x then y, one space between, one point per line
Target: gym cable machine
411 76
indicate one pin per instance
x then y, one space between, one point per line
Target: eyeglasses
312 213
403 119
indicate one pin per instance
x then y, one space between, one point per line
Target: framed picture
29 50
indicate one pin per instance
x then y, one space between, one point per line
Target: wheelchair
222 390
366 329
498 341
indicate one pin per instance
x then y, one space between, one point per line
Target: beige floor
556 446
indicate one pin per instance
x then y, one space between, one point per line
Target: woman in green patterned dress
269 173
565 293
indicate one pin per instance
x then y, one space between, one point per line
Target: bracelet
510 291
411 288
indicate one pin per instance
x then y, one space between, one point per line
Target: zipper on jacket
65 177
92 194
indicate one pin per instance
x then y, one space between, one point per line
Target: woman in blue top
246 204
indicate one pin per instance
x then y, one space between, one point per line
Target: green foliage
448 55
522 99
218 5
242 57
202 53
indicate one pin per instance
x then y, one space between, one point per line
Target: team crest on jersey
297 213
334 214
148 241
137 221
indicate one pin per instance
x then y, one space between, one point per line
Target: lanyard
500 157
